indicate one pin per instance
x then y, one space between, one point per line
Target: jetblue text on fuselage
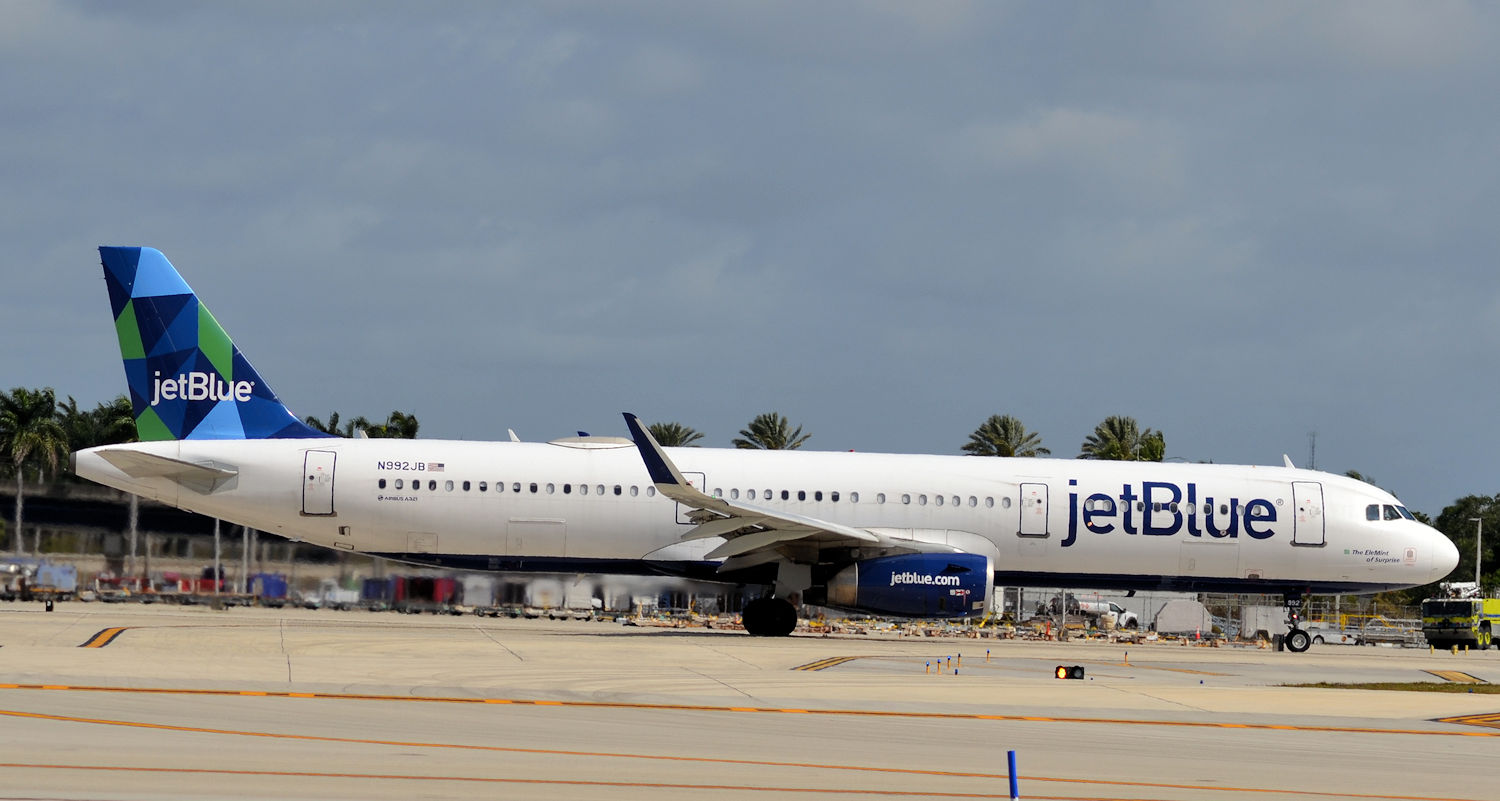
1163 509
196 386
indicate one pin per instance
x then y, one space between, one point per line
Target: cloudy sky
1238 223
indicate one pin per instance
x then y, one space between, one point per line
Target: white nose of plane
1444 555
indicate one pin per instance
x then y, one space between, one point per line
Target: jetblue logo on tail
196 386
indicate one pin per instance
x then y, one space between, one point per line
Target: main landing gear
1296 639
769 617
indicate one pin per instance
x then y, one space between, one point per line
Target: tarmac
129 702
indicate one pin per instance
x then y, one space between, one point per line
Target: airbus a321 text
887 534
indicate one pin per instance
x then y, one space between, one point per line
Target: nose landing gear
1296 639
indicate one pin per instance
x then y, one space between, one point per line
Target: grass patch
1410 686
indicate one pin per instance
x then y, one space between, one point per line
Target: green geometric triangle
129 333
150 428
214 343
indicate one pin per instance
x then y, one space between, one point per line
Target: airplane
884 534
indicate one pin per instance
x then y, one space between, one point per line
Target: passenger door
1308 524
317 483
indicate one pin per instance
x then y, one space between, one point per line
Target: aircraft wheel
1297 641
769 617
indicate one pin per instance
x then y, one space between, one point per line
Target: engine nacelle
914 585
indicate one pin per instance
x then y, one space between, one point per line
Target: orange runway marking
666 758
874 713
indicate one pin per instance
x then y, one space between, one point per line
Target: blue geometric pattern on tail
187 379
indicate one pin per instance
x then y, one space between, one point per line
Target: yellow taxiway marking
1456 676
1492 719
824 664
104 637
872 713
658 758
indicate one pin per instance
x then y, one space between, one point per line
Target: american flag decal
434 467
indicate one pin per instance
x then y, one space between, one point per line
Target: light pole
1478 554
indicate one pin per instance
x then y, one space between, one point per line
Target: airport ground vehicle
1124 618
1447 622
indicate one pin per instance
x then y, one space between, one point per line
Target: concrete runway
193 703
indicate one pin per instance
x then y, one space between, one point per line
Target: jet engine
914 585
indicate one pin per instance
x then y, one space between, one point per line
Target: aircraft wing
746 529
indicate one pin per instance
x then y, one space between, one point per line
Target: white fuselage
591 506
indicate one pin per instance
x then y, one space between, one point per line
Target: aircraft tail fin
187 379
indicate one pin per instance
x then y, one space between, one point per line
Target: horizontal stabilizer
201 478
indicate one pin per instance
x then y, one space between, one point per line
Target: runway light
1068 672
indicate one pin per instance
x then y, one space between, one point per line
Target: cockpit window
1372 512
1391 513
1406 513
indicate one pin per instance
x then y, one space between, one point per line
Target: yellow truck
1447 622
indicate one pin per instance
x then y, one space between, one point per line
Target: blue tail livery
187 379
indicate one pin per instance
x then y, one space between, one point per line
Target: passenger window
533 488
818 496
551 488
1223 508
448 485
750 494
634 490
955 500
853 497
786 496
583 489
651 492
938 500
905 498
834 496
718 493
921 500
432 484
398 483
516 487
801 495
483 486
567 489
599 489
989 503
973 501
1372 512
466 486
734 494
382 483
1004 502
617 489
880 497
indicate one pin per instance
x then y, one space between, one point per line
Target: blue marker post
1015 792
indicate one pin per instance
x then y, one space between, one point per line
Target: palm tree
331 427
1121 439
1004 435
399 425
772 432
106 424
29 434
674 435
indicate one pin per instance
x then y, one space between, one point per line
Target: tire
769 617
1297 641
1318 640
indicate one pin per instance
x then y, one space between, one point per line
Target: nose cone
1444 555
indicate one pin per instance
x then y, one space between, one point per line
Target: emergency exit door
317 483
